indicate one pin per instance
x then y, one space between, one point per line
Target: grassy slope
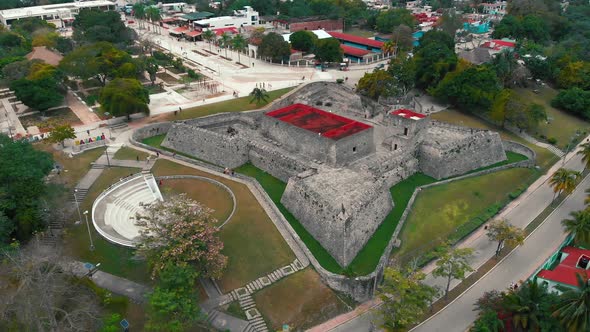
252 243
300 300
233 105
127 153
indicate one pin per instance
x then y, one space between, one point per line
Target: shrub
552 140
194 75
340 81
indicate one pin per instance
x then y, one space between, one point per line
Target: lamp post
89 234
107 153
77 205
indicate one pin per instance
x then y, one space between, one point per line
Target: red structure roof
498 44
565 272
181 29
356 39
221 31
404 113
321 122
193 33
357 52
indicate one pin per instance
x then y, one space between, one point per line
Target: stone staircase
533 140
118 126
80 195
255 320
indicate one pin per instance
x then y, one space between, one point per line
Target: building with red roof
358 42
408 114
499 44
562 275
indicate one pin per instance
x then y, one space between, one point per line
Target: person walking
137 158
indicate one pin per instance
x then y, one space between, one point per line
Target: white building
321 34
245 17
57 14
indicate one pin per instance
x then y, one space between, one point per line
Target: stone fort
339 154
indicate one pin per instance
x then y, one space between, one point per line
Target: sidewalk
80 109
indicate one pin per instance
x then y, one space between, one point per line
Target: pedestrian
157 154
515 286
174 155
88 132
303 78
180 109
175 113
160 183
137 158
511 285
147 160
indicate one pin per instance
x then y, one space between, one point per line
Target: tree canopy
92 26
388 20
273 46
38 94
328 50
124 96
303 40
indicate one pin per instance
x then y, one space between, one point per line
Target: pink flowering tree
180 231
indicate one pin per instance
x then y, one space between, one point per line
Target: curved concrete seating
114 211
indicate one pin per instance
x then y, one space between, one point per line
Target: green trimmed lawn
252 243
545 158
440 211
562 126
128 153
114 259
234 105
155 141
207 193
300 300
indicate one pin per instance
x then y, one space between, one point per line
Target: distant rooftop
197 16
577 261
404 113
321 34
41 10
356 39
318 121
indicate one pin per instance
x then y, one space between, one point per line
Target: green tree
328 50
433 62
585 153
504 233
405 298
488 321
259 95
139 13
451 22
111 323
453 264
180 232
564 181
376 84
225 41
573 100
62 132
174 306
402 37
38 94
124 96
151 66
153 14
303 40
17 70
573 309
273 46
579 225
239 44
530 308
575 74
92 26
390 19
22 173
209 36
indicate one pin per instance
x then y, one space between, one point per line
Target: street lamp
89 234
77 206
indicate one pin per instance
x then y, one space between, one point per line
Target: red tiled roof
181 29
565 272
221 31
498 44
193 33
404 113
356 39
349 50
169 19
321 122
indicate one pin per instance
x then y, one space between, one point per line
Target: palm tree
585 153
239 44
139 13
209 35
259 95
564 181
153 14
579 225
225 42
587 199
573 311
523 306
388 47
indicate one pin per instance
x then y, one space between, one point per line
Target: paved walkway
80 109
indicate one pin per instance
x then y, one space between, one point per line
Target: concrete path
11 118
80 109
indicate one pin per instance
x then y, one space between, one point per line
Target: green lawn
155 141
439 212
114 259
545 158
234 105
128 153
300 300
252 243
562 126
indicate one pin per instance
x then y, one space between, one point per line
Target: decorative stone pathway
533 140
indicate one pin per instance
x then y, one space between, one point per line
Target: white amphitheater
113 212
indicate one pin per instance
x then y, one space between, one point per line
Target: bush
552 140
574 100
194 75
340 81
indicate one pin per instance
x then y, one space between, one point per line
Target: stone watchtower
404 128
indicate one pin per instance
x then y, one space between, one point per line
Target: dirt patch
167 78
50 119
200 53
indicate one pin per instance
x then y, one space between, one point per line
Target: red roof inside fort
315 120
408 114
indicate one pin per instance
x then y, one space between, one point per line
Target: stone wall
459 156
151 130
219 149
276 162
523 150
351 148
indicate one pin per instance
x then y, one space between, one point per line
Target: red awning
181 29
193 33
357 52
221 31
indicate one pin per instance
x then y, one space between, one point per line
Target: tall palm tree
225 41
579 225
209 35
139 13
525 306
388 47
153 14
573 311
564 181
585 153
259 95
239 44
587 199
